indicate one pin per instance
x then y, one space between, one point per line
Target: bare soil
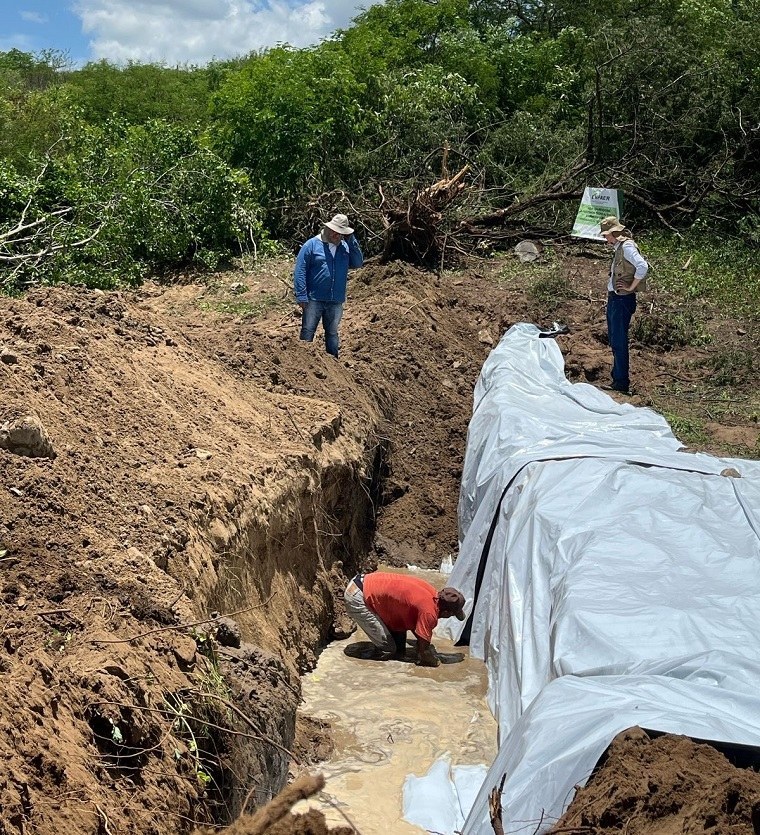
198 459
669 784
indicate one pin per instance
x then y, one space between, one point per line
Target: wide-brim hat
452 603
339 223
610 224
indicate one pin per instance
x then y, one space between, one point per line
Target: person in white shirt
627 277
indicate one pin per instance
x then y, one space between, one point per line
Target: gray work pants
367 620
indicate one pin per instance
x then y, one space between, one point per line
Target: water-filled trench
390 719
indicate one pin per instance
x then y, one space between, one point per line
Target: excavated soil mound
663 786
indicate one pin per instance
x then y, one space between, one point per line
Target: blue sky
167 31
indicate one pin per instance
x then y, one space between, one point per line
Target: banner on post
596 203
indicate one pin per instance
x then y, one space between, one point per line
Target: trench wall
177 488
281 554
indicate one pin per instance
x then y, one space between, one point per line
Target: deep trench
333 522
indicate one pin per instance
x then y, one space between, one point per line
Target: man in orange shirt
386 606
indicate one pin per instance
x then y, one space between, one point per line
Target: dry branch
258 824
494 807
414 229
433 224
177 626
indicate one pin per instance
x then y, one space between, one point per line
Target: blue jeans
330 313
620 310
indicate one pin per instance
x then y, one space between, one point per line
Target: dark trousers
330 314
620 310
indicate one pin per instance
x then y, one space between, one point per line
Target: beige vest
623 270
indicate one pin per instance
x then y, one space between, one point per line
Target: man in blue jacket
320 279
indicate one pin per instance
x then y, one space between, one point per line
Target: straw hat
610 224
339 223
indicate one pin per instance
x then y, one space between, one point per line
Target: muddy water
391 719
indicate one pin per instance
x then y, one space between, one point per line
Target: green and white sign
595 204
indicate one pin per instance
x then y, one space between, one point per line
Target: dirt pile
166 471
663 785
413 344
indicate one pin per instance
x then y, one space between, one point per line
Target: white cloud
34 17
195 31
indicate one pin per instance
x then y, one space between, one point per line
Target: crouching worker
386 606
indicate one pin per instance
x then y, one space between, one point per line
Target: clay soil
669 784
199 460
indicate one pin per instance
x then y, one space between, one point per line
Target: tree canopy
144 166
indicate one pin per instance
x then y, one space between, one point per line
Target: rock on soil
26 436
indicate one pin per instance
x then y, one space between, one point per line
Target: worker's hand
623 289
428 659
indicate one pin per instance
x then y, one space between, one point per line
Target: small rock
527 251
485 337
8 357
203 454
135 555
184 649
219 533
731 472
26 436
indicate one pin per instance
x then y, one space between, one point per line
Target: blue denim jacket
320 277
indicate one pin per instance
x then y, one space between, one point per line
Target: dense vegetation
108 172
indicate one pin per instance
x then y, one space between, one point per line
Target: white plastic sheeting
441 799
613 580
556 743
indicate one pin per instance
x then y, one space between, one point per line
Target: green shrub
116 202
669 329
719 271
549 290
731 367
689 430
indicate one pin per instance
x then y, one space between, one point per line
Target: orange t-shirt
402 602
